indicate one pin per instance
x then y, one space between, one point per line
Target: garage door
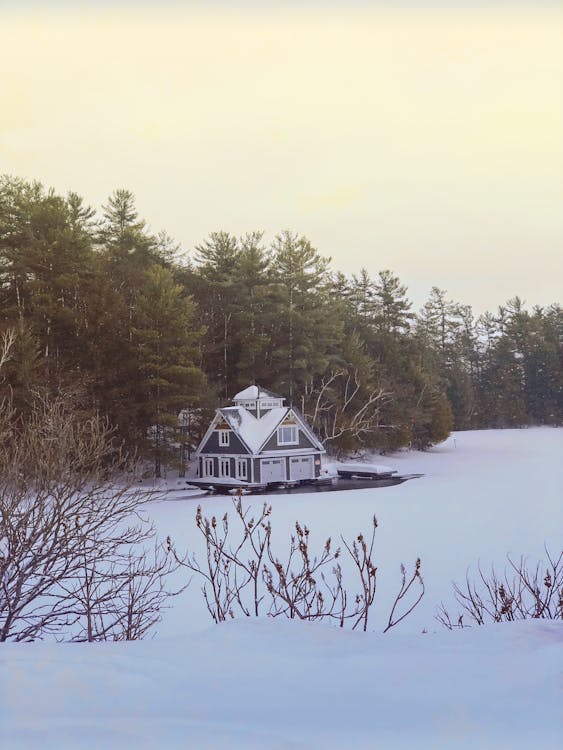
272 470
301 467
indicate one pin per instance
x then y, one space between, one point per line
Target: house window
207 467
224 467
242 471
287 435
269 404
224 437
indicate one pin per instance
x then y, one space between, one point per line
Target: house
259 441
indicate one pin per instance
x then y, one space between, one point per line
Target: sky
423 138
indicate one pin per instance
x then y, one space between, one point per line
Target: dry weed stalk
241 572
75 559
522 593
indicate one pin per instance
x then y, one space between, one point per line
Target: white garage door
272 470
301 467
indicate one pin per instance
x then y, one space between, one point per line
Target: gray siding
257 477
232 466
235 445
304 442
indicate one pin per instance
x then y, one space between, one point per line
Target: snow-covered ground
274 684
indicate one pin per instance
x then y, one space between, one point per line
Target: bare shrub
243 576
302 587
74 547
342 408
396 615
523 592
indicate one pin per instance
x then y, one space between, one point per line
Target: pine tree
46 259
309 326
23 374
392 306
165 342
216 262
253 314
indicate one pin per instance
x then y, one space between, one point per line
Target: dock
229 486
214 484
360 473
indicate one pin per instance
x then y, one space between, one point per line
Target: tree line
116 316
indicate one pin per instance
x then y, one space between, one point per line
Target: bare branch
530 592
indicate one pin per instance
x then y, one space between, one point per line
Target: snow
271 684
248 393
254 432
227 481
254 392
333 468
287 685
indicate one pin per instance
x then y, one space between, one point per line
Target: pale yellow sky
425 141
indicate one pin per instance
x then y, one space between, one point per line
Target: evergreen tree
46 260
392 306
23 374
216 261
253 314
446 332
165 342
309 326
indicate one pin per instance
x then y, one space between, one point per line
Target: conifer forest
125 325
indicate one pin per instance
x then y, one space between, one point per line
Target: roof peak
255 392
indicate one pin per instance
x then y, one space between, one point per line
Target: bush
523 592
77 560
243 576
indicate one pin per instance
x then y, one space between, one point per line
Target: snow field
285 685
484 494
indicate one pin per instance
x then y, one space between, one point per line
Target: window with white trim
224 437
287 435
247 404
207 467
242 468
270 404
224 467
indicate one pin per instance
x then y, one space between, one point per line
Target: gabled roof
254 392
306 429
253 432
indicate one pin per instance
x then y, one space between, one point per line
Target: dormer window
287 435
224 437
270 403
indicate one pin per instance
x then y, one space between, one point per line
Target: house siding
235 444
257 476
304 442
232 466
237 451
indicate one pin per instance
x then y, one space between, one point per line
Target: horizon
423 138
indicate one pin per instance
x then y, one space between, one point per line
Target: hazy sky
424 138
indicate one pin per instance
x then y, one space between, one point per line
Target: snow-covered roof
254 432
254 392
